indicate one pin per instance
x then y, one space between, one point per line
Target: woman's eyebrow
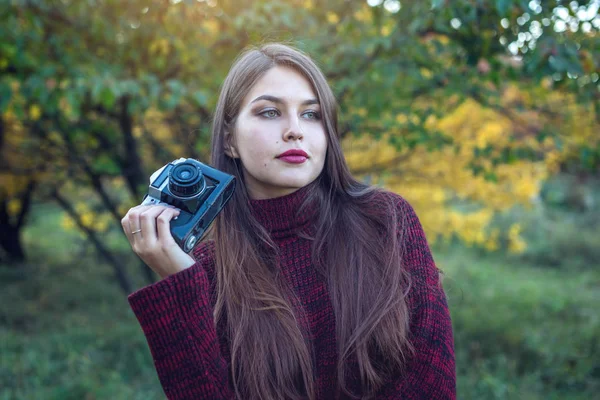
281 101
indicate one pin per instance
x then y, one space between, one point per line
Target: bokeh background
485 115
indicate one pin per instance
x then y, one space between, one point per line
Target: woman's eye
269 113
312 115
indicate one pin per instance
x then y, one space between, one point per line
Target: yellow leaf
14 207
35 112
491 245
364 14
443 39
426 73
67 223
516 246
212 26
332 17
87 219
401 118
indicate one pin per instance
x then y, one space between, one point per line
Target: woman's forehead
282 83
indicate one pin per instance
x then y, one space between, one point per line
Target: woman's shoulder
393 201
404 210
390 196
399 210
416 252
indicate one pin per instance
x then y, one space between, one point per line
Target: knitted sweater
192 358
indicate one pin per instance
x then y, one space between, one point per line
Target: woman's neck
284 216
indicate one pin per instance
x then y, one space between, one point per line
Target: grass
68 333
522 331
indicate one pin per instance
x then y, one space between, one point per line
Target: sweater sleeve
176 317
430 373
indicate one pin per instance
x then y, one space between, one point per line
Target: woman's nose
294 131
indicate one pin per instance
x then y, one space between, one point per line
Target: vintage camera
199 191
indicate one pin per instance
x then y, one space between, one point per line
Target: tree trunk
118 269
132 163
10 227
10 237
132 166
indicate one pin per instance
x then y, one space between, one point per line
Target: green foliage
66 343
565 231
175 55
561 229
503 6
529 333
96 70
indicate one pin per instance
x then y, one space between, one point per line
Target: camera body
199 191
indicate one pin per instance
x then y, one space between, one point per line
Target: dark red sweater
192 358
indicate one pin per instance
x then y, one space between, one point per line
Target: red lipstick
295 156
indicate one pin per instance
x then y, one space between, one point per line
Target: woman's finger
126 224
163 226
126 227
135 229
148 222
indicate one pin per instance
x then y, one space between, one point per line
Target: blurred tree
116 89
16 188
466 109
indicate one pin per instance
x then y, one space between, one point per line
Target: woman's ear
229 146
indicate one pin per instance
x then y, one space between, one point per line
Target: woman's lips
293 159
295 156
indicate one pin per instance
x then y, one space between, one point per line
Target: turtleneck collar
280 215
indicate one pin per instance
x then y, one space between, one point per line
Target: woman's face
280 114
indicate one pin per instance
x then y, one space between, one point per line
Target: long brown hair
356 246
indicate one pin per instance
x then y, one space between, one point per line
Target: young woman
312 285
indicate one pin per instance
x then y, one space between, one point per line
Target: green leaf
503 6
129 86
74 103
200 98
107 97
5 95
436 4
558 63
96 89
490 176
105 165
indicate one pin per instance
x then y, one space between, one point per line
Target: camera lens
186 180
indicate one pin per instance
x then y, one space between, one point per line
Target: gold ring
134 232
